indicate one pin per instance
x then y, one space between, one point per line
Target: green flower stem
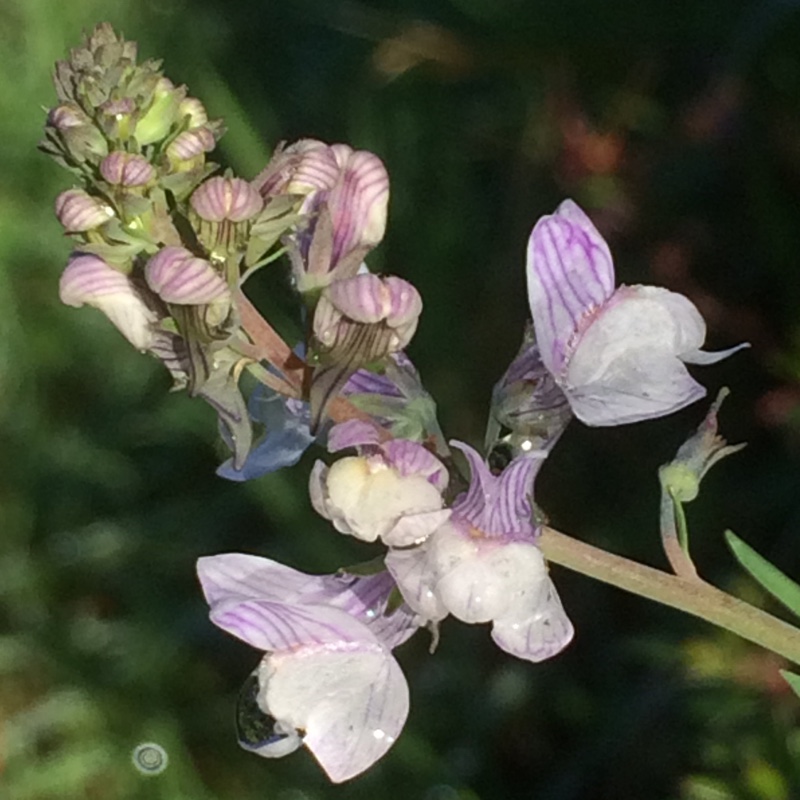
694 596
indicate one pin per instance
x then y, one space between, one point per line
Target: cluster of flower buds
163 248
163 244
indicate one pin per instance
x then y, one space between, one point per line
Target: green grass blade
770 577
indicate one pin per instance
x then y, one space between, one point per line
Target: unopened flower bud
179 277
358 320
160 116
192 143
226 198
66 116
118 108
78 211
127 169
191 107
695 457
117 117
85 142
369 299
91 281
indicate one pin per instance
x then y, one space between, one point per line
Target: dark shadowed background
678 125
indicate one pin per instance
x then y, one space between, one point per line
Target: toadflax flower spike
618 355
328 679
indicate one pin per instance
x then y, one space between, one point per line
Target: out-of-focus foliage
679 123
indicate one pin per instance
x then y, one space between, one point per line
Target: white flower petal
479 579
703 358
627 365
639 388
367 498
415 580
542 633
640 319
415 528
352 703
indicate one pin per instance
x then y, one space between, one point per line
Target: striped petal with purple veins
404 300
358 203
221 198
275 626
238 577
304 167
352 433
78 211
570 275
315 167
328 675
369 298
179 277
411 458
88 280
499 506
192 143
126 169
362 298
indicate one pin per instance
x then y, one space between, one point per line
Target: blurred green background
678 125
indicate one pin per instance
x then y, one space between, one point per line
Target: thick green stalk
692 595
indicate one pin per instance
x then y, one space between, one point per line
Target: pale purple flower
390 491
346 193
88 280
484 564
618 355
328 679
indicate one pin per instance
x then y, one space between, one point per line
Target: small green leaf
792 679
770 577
